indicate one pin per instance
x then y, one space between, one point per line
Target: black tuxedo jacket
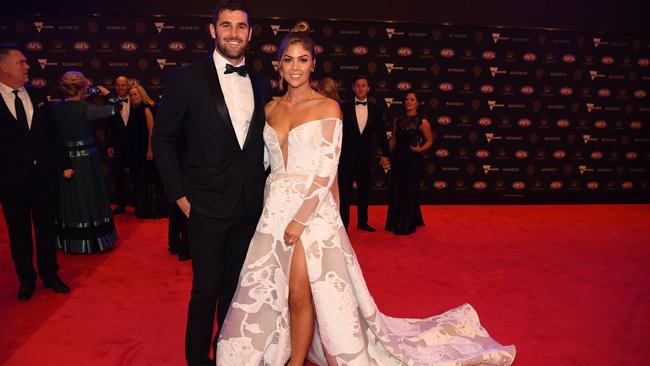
215 172
21 146
130 140
357 147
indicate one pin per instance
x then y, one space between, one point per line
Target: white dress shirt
362 113
124 112
238 93
10 99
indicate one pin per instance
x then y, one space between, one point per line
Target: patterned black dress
404 213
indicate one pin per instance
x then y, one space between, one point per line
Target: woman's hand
293 232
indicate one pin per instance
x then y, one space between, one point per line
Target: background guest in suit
84 221
31 160
362 128
410 139
126 141
217 104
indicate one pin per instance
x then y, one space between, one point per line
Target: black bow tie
360 103
241 70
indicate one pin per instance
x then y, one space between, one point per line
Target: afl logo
440 184
644 62
627 185
34 46
360 50
527 90
569 58
521 154
81 46
518 185
592 185
640 93
489 55
176 46
318 49
556 185
607 60
404 51
480 185
635 125
563 123
604 92
404 85
487 88
596 155
530 57
446 87
269 48
525 122
631 155
559 154
444 120
38 82
601 123
129 46
447 52
442 153
566 91
482 154
485 122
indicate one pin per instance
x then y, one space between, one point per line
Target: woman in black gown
150 200
410 139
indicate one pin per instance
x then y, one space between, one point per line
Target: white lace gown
349 330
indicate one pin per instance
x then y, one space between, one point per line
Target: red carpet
568 285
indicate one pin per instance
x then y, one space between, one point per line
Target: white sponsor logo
493 104
161 25
489 168
162 62
584 169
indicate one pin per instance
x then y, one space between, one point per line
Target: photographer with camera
84 223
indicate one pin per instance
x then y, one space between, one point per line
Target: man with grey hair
32 156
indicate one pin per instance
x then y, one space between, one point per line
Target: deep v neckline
285 159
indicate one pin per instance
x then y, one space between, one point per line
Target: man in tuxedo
32 157
362 128
217 104
126 140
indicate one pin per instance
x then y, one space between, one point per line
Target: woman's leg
301 308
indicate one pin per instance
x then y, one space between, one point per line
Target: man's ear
213 31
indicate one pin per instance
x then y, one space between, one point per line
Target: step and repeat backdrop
523 113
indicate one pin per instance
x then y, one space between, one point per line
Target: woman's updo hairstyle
298 34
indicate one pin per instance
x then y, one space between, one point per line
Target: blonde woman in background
150 200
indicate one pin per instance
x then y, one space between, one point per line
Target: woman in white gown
301 292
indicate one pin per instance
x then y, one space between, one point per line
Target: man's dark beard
224 52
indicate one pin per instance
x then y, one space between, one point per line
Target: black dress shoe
57 285
184 257
119 210
367 227
25 292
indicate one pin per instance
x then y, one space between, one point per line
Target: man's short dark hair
360 77
230 5
5 48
